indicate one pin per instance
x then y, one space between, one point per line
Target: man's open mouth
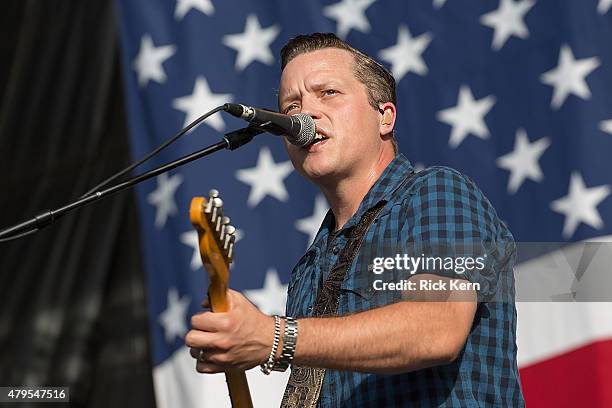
318 138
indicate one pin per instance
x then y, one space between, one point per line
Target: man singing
351 342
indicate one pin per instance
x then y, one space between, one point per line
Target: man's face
322 84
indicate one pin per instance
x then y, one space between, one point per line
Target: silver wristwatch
289 342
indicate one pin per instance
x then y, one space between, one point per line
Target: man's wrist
283 341
289 339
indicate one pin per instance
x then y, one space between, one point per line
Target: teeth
318 137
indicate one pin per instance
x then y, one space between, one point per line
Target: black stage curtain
72 298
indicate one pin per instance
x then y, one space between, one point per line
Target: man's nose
311 109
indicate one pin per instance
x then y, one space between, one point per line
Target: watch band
289 342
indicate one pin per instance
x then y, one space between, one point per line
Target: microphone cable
156 151
133 165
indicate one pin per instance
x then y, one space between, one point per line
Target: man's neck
345 196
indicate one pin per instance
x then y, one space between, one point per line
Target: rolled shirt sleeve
450 229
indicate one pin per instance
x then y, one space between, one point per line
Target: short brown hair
379 83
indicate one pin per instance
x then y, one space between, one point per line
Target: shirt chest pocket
357 292
356 297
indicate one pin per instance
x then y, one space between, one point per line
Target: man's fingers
231 294
208 368
195 352
200 340
209 361
203 355
210 322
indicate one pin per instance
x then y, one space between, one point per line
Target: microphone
299 129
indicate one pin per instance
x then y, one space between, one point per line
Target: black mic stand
230 141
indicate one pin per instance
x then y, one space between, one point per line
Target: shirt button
335 249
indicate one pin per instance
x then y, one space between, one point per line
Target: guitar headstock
216 235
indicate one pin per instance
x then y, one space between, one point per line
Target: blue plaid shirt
434 212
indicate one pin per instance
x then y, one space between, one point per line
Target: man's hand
239 338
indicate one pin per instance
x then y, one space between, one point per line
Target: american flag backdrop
517 94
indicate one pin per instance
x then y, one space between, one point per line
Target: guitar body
216 243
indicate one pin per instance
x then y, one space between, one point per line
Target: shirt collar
389 180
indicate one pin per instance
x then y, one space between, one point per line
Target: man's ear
387 117
387 121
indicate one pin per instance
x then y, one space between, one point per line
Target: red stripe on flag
578 378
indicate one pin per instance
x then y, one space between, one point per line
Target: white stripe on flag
177 384
548 329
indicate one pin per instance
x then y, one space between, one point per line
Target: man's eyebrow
319 84
324 83
282 97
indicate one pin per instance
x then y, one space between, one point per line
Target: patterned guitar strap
305 383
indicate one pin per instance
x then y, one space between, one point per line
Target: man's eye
290 108
330 92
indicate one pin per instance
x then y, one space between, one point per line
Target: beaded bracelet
266 367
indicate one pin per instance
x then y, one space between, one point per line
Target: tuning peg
219 223
230 238
230 230
230 252
224 223
212 194
217 209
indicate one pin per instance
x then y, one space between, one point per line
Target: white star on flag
349 14
603 6
467 117
580 205
438 3
201 101
163 197
405 56
253 44
310 225
606 126
266 178
569 76
174 318
148 62
183 7
191 239
418 166
507 20
522 162
272 297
